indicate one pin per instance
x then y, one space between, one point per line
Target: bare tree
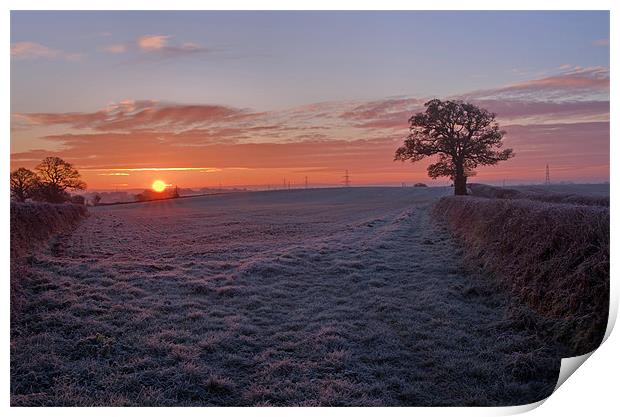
56 177
23 184
461 134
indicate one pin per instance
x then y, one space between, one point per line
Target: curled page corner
569 366
520 409
613 315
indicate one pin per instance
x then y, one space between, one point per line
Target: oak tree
462 135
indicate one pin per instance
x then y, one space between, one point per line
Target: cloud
601 42
575 95
114 174
130 115
394 114
389 113
156 47
116 49
153 42
33 50
578 78
572 83
169 52
578 151
125 170
546 112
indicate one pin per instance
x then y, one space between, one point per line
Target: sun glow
158 186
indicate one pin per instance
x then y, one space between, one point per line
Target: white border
312 5
593 389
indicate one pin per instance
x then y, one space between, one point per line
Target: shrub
78 199
50 193
488 191
553 257
32 224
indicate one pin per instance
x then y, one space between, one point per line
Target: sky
199 99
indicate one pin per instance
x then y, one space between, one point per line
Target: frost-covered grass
309 297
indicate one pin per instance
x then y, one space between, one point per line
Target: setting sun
158 186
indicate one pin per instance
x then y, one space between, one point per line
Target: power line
347 178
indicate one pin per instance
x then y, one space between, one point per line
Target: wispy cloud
116 48
114 174
153 42
125 171
130 115
388 113
33 50
570 83
596 78
571 97
157 47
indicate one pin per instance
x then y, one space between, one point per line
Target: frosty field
351 296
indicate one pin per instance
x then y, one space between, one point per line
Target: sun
158 186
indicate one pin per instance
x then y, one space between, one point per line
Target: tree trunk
460 182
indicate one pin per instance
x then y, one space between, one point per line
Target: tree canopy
55 171
49 182
462 136
23 183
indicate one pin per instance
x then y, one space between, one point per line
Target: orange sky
130 144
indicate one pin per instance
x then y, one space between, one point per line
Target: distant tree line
50 182
149 195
